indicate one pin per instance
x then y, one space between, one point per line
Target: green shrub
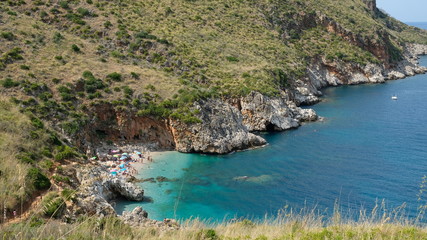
43 14
117 77
36 221
26 157
232 59
9 83
75 18
67 193
8 36
134 75
57 37
59 178
208 234
47 164
24 67
56 80
150 87
37 123
144 34
65 153
14 54
75 48
108 24
88 75
53 205
64 4
127 91
64 89
84 12
38 179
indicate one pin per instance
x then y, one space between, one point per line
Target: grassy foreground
377 224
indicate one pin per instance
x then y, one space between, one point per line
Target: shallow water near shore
368 148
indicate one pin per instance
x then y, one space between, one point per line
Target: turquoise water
368 148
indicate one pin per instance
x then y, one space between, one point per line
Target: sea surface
422 25
369 148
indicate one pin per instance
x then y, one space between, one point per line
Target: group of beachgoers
120 162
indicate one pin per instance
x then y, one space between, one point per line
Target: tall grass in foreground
380 223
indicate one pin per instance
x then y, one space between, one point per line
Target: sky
405 10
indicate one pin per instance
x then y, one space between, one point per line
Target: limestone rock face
322 73
221 130
139 218
262 113
98 188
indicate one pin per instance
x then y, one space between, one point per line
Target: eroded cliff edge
227 125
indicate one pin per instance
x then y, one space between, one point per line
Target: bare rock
221 130
262 113
139 218
98 188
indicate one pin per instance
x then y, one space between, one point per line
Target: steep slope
184 74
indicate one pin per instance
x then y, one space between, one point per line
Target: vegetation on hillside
31 158
58 59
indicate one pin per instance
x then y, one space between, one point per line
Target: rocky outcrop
139 218
98 188
109 123
221 130
262 113
322 73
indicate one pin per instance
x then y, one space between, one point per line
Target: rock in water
221 130
262 113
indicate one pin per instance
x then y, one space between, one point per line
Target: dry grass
377 224
14 131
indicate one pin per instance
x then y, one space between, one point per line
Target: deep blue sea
422 25
367 149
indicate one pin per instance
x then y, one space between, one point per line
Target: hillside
189 75
154 59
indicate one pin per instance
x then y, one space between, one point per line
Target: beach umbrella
122 165
124 153
123 158
122 170
116 155
138 153
93 158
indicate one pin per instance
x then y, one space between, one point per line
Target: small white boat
394 97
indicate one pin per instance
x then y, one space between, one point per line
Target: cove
367 149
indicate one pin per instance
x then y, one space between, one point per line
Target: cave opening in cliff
101 133
270 127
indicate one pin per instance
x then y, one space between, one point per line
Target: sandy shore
139 166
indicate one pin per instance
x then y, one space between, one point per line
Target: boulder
139 218
262 113
221 130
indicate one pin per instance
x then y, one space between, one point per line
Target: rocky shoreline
228 125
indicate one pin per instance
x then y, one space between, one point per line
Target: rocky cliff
98 189
221 130
226 125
